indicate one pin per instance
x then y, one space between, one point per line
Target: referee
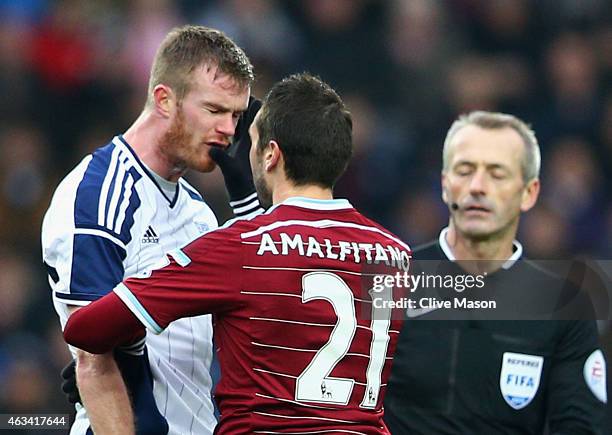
476 376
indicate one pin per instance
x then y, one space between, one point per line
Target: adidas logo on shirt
150 236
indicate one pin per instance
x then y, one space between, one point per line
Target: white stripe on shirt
106 186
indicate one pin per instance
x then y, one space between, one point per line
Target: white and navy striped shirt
109 220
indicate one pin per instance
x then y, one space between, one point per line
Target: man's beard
264 193
175 146
171 143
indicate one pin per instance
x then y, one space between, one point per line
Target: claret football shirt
299 352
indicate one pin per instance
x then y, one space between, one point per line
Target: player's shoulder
236 229
68 186
227 233
101 190
113 162
383 232
223 242
238 226
112 165
530 274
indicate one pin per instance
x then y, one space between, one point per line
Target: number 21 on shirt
314 383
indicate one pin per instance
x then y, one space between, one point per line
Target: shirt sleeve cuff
128 298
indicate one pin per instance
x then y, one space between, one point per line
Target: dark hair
312 127
186 48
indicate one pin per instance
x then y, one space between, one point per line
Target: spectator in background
574 97
25 182
25 354
261 27
373 132
545 234
575 193
421 207
147 24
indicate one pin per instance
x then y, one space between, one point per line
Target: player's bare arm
103 392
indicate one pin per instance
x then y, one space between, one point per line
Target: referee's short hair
530 164
186 48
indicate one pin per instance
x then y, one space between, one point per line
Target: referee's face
205 118
485 181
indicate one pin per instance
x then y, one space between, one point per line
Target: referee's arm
573 407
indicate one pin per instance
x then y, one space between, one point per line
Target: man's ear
443 181
530 195
164 100
273 156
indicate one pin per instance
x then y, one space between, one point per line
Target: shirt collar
516 254
314 204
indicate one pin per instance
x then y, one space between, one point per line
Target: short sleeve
575 402
202 277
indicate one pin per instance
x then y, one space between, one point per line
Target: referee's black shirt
448 376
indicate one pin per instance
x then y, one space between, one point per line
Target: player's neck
480 255
143 136
288 190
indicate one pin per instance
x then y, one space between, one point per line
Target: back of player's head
312 127
530 163
188 47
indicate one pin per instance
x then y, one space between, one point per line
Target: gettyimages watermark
413 281
476 290
381 298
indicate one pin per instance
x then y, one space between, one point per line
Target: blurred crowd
74 72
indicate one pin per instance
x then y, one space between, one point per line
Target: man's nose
478 183
226 125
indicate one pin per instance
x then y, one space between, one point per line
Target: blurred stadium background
73 73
